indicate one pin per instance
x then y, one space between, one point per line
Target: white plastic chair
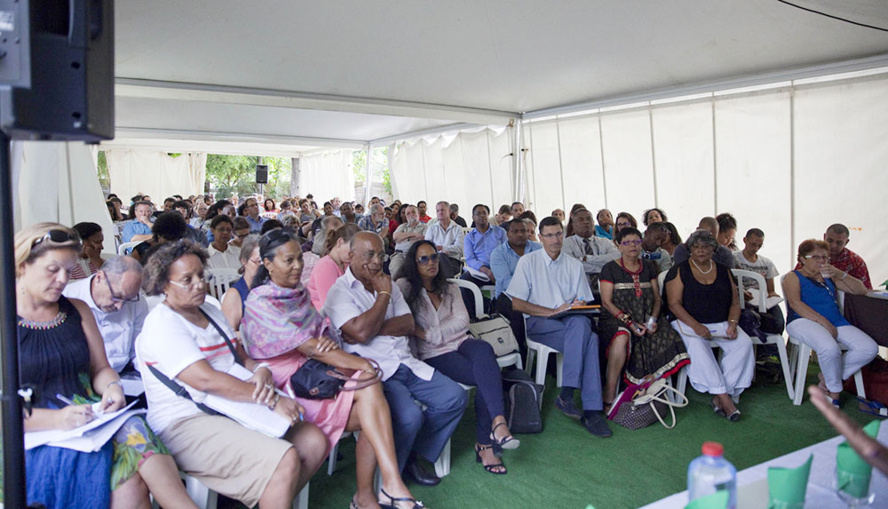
206 498
535 349
220 281
771 339
123 249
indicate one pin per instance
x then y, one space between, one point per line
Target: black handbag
318 380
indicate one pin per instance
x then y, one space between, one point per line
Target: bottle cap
713 449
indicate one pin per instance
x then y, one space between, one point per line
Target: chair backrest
762 291
476 292
660 278
220 281
122 250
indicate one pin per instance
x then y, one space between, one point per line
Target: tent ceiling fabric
432 63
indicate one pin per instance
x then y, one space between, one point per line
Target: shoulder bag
496 331
648 405
319 380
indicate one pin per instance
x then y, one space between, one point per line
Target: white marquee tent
758 107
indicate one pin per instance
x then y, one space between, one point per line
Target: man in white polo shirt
112 295
547 282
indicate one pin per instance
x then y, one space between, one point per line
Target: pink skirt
331 415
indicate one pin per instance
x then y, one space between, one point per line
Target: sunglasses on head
424 260
59 237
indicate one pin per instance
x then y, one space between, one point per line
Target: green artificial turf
565 466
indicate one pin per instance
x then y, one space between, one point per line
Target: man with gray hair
328 224
404 237
112 295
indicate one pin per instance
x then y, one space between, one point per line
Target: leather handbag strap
228 342
359 384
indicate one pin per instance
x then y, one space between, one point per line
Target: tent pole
518 162
368 183
13 426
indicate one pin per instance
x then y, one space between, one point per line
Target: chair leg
804 354
442 466
559 368
301 500
682 382
784 364
331 462
541 364
858 381
203 497
530 358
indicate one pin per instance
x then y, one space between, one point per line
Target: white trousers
834 365
737 367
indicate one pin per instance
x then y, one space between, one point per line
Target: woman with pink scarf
282 328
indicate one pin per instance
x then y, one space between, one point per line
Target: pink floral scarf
278 320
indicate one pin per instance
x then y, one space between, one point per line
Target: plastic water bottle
712 472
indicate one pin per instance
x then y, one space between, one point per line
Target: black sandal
393 502
507 442
489 468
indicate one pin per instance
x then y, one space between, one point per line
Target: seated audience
271 224
62 359
773 321
530 218
251 214
332 265
605 226
114 211
703 297
222 255
112 294
843 258
375 221
503 261
654 215
182 339
559 215
593 251
455 217
673 238
477 246
286 211
722 255
269 206
421 207
727 229
448 238
547 282
440 338
169 227
410 231
816 320
282 329
193 234
236 295
359 211
517 209
624 219
570 222
139 228
241 230
652 246
374 322
631 321
327 225
306 213
89 260
347 213
503 214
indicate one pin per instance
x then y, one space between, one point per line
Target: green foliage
379 165
104 176
230 175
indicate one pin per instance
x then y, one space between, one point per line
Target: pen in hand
80 417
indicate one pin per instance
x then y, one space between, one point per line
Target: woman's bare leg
365 470
161 475
281 488
133 493
371 412
616 359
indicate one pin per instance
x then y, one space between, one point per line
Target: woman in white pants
703 297
816 320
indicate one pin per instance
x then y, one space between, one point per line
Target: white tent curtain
155 173
466 168
790 161
327 175
58 182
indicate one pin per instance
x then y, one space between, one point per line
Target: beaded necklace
51 324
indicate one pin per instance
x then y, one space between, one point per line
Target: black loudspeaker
262 174
72 74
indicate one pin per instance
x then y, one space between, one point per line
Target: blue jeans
424 432
573 336
474 363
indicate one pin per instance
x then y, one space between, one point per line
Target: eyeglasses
556 235
59 237
636 242
194 282
370 255
821 258
623 225
257 261
115 298
424 260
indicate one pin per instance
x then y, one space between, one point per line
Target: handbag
496 331
319 380
647 405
